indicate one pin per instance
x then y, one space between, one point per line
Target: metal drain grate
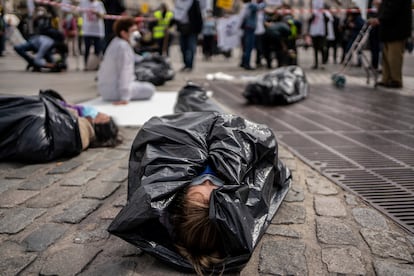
362 140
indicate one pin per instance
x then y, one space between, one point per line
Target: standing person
259 35
160 29
2 32
248 25
394 20
116 77
317 31
331 40
93 26
209 33
373 39
70 30
112 7
187 16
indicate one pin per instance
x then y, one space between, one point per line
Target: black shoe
36 69
28 67
248 68
394 84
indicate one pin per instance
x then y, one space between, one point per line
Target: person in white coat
116 77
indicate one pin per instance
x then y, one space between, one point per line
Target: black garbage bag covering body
283 85
155 69
36 129
168 152
194 98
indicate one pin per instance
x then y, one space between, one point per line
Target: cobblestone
7 184
17 219
329 206
46 235
78 211
334 231
52 197
369 218
14 198
282 230
388 268
119 175
79 179
344 260
100 190
38 183
290 214
13 259
25 172
321 186
65 167
79 255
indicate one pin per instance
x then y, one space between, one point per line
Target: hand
373 21
120 103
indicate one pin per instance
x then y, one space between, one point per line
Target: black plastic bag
168 152
37 129
155 69
283 85
194 98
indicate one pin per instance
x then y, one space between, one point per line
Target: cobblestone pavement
53 217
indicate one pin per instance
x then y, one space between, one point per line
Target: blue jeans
22 50
97 46
248 45
188 45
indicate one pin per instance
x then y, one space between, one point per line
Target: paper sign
225 4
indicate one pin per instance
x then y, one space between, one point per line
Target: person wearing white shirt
116 77
93 27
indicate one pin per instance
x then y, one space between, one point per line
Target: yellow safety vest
159 30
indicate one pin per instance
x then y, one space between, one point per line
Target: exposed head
106 131
126 28
197 237
163 7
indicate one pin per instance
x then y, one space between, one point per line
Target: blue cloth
89 111
40 44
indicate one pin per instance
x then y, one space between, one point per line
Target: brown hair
123 24
197 237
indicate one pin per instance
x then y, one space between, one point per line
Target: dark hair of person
61 48
123 24
197 237
106 134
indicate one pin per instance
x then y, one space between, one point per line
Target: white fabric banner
228 32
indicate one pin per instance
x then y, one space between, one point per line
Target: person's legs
396 57
97 45
183 47
259 49
316 46
386 74
192 48
248 47
88 43
22 50
141 90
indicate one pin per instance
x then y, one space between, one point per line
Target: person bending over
116 77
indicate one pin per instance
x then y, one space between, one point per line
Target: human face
101 118
201 193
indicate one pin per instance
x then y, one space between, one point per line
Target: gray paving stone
388 268
7 184
78 211
329 206
347 260
285 154
282 230
116 154
79 179
284 257
25 172
295 194
387 244
369 218
119 175
290 214
17 219
114 246
44 236
102 165
321 186
70 260
52 197
109 213
13 259
92 233
99 189
291 164
351 200
119 268
38 183
65 167
12 198
411 239
334 231
120 201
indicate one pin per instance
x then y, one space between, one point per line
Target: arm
125 65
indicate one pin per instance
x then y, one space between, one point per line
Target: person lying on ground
202 189
116 75
42 128
44 46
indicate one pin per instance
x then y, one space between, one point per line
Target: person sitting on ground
44 46
116 75
44 127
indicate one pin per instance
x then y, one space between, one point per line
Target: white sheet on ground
136 113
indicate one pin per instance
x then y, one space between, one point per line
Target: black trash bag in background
155 69
283 85
169 151
35 129
194 98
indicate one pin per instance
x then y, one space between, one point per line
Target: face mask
134 38
69 16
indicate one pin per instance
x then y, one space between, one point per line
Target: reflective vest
293 29
162 23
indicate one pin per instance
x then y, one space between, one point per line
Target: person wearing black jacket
394 20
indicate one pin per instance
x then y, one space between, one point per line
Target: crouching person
44 47
116 75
